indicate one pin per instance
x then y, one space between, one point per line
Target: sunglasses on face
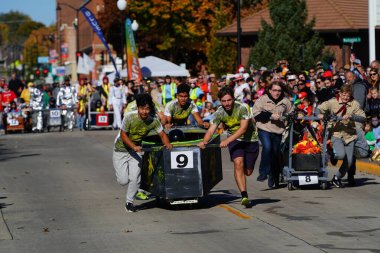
372 74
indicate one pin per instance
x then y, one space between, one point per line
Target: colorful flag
96 27
134 70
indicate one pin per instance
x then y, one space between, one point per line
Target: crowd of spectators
306 89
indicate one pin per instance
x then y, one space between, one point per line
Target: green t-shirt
370 137
178 114
232 121
136 129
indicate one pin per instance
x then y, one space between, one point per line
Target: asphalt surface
58 193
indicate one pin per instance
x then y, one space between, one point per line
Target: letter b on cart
182 160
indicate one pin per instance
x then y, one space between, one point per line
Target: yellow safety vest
193 94
82 102
172 91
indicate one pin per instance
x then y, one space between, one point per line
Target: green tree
289 37
221 54
176 30
4 32
26 28
14 20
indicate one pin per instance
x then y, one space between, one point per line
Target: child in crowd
373 103
207 111
306 107
370 138
376 133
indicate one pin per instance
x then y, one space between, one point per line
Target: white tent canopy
152 66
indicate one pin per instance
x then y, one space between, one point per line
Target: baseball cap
358 62
263 68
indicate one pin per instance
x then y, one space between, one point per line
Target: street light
121 4
238 35
135 25
75 23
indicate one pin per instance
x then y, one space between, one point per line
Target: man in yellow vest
169 90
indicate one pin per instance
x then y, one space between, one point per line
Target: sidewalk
366 166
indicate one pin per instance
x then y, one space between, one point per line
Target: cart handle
159 148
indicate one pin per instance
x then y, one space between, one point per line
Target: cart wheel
324 185
290 186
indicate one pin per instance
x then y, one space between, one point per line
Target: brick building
335 21
76 34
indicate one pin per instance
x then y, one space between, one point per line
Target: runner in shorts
242 140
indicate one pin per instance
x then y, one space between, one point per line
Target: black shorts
247 149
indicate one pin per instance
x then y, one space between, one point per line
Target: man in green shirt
178 111
242 140
127 151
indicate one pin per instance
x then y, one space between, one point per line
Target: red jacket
8 96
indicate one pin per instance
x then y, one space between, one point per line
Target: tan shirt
345 129
283 107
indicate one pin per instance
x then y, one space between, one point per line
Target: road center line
235 211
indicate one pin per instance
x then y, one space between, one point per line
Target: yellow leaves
165 16
166 44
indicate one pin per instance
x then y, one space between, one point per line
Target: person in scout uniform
242 140
344 131
127 149
178 111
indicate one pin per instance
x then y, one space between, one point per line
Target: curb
366 167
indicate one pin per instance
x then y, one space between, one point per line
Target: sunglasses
372 74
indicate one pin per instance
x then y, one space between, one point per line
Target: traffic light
102 58
45 72
38 72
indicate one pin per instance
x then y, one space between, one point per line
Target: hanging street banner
96 27
134 70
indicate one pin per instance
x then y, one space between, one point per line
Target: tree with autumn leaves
177 30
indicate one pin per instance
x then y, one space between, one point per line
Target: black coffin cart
185 173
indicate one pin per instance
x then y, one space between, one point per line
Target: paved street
58 193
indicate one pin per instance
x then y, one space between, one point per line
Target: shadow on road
4 205
211 200
10 156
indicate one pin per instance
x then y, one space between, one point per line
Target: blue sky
39 10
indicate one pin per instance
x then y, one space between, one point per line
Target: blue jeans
270 152
80 120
